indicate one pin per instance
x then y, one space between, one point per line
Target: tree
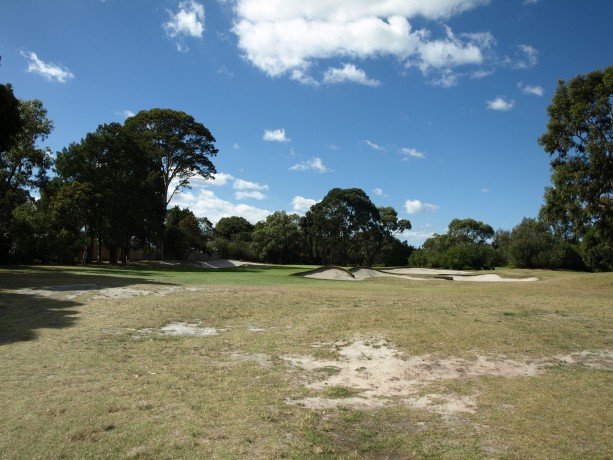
23 165
469 231
185 233
465 246
180 145
341 225
278 239
124 200
10 119
233 236
579 140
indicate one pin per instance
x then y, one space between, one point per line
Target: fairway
144 361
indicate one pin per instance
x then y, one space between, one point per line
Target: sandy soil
375 374
383 376
428 274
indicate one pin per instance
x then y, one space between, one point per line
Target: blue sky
433 107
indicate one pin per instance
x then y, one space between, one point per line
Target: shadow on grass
26 304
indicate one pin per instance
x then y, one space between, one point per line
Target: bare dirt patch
188 330
92 292
371 373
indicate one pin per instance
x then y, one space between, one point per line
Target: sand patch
93 292
188 330
600 359
374 374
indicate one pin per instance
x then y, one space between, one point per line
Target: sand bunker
428 274
226 263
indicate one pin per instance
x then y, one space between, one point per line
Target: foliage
232 239
278 239
124 188
534 245
579 140
465 246
10 120
23 166
597 253
180 146
185 233
346 228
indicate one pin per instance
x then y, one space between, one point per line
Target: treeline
345 228
111 190
471 244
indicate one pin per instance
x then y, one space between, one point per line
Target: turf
82 377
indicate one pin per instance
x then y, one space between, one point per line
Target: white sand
359 274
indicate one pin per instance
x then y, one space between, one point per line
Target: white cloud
415 237
249 194
206 204
128 113
301 205
283 37
377 191
275 135
413 153
485 190
51 72
501 104
348 73
531 90
240 184
374 146
528 57
188 21
418 207
314 164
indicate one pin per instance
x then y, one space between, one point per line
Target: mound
329 273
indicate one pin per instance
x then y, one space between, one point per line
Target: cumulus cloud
249 194
52 72
418 207
531 90
188 21
205 203
280 37
248 190
314 164
412 153
377 191
275 135
374 146
415 237
301 204
348 73
501 104
241 184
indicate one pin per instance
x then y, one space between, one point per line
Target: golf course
251 361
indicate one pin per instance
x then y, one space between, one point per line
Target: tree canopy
579 140
180 145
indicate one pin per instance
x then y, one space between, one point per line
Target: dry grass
87 378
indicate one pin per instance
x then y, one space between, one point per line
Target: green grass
76 383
